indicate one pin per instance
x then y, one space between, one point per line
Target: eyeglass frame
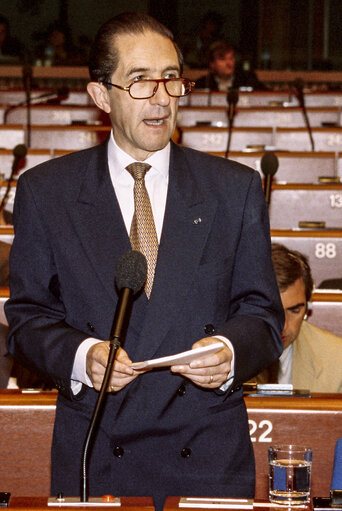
158 81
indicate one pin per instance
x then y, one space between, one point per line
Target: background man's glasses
145 89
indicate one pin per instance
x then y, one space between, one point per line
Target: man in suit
173 431
312 357
224 73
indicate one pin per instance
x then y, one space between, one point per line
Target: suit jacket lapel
98 219
187 223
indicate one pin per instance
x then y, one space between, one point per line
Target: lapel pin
197 221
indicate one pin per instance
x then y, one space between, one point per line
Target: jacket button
91 327
182 390
186 452
209 329
118 451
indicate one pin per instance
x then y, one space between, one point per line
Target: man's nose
161 97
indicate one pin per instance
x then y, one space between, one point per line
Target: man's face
143 126
224 66
294 304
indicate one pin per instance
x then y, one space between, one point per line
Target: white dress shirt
156 181
285 365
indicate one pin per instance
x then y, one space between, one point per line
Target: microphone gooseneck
298 86
269 166
232 99
130 277
55 97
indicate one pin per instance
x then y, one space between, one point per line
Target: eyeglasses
145 89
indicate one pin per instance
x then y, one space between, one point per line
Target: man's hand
210 371
96 362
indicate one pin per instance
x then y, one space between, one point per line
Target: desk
265 116
57 114
14 97
26 422
214 139
325 311
262 98
294 202
172 504
40 504
53 137
297 139
294 167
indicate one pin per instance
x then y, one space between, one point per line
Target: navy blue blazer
161 435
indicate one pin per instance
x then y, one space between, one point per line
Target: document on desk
179 358
218 503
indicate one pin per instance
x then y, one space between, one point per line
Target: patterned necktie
143 233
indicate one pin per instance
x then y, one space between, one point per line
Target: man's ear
99 94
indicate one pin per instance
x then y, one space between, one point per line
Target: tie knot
138 170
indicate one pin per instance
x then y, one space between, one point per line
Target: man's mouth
155 122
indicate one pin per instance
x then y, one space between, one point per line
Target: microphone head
233 97
298 84
269 164
131 271
63 92
20 151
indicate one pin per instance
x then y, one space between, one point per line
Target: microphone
130 276
232 99
269 166
19 152
298 86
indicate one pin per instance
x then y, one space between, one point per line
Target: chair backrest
336 480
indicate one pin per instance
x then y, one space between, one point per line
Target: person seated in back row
312 357
224 73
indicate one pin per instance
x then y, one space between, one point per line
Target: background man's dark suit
213 276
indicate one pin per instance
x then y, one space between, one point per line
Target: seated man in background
224 74
312 357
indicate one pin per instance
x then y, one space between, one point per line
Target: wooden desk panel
56 114
13 97
293 203
323 248
40 504
67 137
326 312
11 135
53 137
213 139
315 421
297 139
26 430
263 98
258 116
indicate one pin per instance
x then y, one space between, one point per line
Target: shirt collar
118 159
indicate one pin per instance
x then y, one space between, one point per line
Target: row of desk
197 98
202 138
26 422
261 116
294 166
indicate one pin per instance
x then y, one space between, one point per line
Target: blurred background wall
269 34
